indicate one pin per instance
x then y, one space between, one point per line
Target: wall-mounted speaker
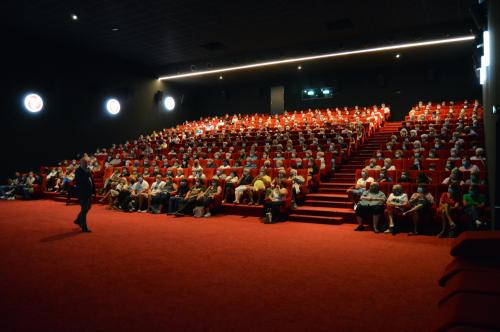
158 96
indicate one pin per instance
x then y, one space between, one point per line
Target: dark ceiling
171 36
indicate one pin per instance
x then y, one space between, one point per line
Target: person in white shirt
397 204
137 189
154 190
359 188
479 155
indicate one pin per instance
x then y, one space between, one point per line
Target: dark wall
74 86
399 86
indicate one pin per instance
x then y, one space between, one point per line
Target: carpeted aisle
156 273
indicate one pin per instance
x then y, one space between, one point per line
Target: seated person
52 177
422 178
312 170
180 173
449 165
479 155
474 179
417 165
115 192
153 192
355 192
163 197
210 163
474 204
139 188
421 203
397 204
467 166
371 204
244 185
455 178
404 178
225 164
274 200
379 155
231 182
432 155
259 185
196 166
449 204
298 163
388 165
7 191
398 155
178 196
191 199
296 181
372 166
383 177
209 195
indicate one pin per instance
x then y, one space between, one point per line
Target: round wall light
169 103
113 106
33 103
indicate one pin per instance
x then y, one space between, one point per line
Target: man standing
84 189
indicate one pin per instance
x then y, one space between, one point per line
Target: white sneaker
208 214
269 218
355 206
11 198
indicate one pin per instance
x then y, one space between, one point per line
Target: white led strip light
322 56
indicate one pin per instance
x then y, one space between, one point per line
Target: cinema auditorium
249 166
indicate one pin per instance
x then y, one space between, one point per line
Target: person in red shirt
447 210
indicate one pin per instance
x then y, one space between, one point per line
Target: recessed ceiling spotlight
220 77
115 29
74 17
398 56
299 67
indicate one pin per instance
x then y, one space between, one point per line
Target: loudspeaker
158 96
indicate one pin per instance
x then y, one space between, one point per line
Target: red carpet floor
156 273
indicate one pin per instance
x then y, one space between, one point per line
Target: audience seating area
317 139
435 139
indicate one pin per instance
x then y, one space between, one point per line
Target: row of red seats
436 176
407 163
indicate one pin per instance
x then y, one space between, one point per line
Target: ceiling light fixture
299 67
323 56
220 77
115 29
398 56
74 17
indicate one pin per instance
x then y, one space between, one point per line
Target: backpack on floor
198 211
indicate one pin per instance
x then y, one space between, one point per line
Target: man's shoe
360 228
86 230
178 214
208 214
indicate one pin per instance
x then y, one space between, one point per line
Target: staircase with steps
331 204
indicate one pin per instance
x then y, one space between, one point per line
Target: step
323 211
332 190
242 209
315 219
328 197
335 185
333 204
